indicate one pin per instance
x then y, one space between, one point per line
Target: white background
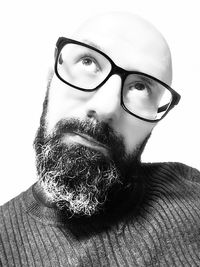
28 32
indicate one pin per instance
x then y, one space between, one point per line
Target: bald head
132 42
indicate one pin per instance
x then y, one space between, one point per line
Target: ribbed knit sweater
156 225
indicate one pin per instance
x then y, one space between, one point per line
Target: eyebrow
93 45
145 79
149 81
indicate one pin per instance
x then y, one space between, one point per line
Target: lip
85 140
91 140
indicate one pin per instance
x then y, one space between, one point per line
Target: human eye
140 86
88 63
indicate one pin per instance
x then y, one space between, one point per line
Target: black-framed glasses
86 68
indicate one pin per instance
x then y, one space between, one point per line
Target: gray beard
79 179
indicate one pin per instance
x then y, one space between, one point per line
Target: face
88 145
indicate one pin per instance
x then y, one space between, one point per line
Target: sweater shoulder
176 169
187 172
9 211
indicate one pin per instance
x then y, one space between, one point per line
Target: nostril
91 114
96 117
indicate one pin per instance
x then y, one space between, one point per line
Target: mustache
99 131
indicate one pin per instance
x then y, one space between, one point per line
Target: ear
55 52
50 74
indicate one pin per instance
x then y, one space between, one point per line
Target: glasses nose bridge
121 72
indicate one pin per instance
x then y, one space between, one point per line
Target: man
95 203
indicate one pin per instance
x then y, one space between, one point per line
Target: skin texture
133 44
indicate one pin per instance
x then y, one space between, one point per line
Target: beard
81 179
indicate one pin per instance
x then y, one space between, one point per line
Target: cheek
134 131
62 102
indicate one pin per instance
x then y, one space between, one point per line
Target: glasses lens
146 97
82 67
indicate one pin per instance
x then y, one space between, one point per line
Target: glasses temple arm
163 108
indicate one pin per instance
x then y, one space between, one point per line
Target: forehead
132 44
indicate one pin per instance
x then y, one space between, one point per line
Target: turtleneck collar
40 209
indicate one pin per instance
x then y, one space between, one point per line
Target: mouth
86 140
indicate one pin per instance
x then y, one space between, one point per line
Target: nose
105 104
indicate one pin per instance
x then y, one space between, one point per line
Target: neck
42 196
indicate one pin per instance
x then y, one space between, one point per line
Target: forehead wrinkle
88 42
95 45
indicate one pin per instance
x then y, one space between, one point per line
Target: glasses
86 68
